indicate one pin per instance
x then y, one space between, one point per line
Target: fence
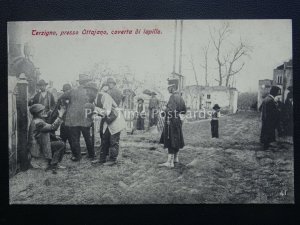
17 123
12 125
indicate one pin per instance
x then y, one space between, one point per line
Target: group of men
74 113
276 115
154 108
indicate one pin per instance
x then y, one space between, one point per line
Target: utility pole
175 40
180 56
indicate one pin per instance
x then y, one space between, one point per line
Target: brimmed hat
41 83
66 87
111 80
171 85
216 106
275 90
84 77
153 93
91 85
140 99
36 108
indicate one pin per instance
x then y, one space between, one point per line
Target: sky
150 57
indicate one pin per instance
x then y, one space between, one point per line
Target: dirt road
231 169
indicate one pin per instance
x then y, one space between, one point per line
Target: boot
170 161
176 159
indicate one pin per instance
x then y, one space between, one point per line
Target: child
39 143
215 121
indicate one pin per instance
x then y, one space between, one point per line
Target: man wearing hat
111 125
215 121
153 110
77 121
115 93
269 117
172 136
43 97
39 143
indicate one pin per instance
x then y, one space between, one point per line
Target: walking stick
93 134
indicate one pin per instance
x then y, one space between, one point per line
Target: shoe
176 159
110 163
54 171
74 159
97 161
169 163
61 167
90 157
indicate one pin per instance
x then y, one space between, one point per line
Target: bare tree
218 37
231 61
205 65
198 91
228 64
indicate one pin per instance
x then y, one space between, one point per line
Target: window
208 96
208 105
279 79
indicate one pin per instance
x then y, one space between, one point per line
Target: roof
285 65
209 88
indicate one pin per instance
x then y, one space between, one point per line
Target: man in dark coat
64 130
77 120
288 114
172 137
113 91
269 117
153 110
43 97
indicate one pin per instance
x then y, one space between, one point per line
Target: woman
140 115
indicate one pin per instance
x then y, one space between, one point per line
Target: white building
200 97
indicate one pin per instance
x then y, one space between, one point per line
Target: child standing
215 121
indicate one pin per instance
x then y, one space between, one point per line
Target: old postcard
150 112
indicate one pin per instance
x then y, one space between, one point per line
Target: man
115 93
64 130
77 121
43 97
172 136
153 110
39 143
111 125
269 118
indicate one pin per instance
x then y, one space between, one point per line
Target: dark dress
140 118
269 119
153 111
172 136
288 118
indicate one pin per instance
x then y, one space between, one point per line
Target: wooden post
174 56
22 121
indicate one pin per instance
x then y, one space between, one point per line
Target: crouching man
39 143
111 125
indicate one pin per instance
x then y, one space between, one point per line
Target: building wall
283 77
205 97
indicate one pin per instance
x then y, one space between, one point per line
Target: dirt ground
231 169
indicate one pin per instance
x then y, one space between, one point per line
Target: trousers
109 146
64 133
57 149
75 141
214 128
